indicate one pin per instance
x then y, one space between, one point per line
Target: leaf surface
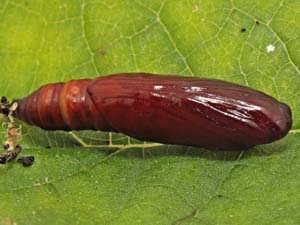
103 178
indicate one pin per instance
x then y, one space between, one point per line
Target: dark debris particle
3 160
19 147
257 22
4 106
5 111
243 30
26 160
3 100
220 196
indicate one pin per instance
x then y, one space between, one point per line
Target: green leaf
104 178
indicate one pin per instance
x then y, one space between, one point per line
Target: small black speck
26 160
257 22
243 30
48 147
3 100
19 147
3 160
220 196
5 111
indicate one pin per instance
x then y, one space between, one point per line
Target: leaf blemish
195 8
101 52
270 48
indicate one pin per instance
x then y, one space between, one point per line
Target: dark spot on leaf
3 160
101 52
243 30
3 100
5 111
26 160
